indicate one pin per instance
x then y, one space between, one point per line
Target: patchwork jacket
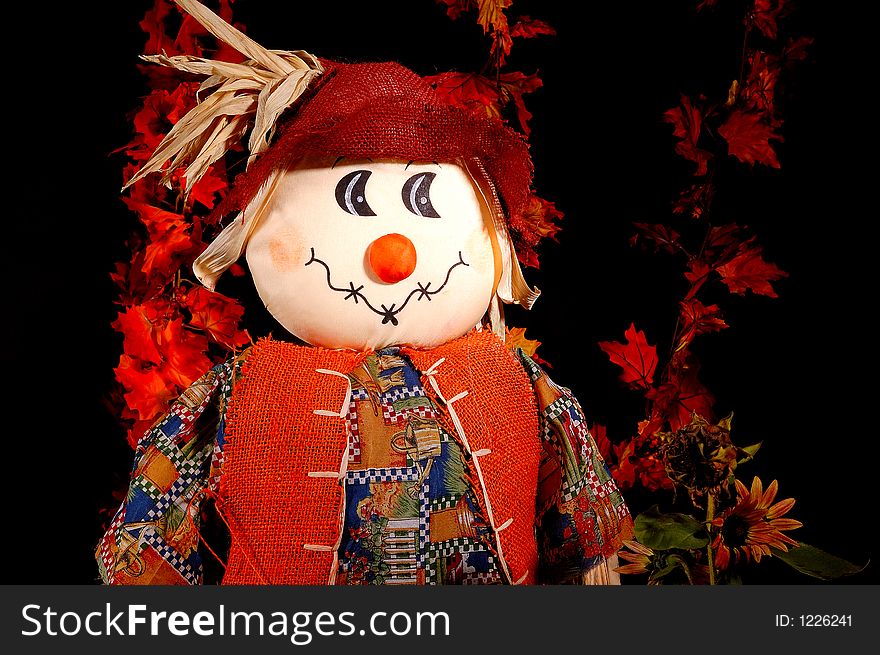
462 464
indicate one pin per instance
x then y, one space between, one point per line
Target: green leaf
750 452
817 563
664 531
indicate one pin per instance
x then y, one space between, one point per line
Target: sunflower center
735 531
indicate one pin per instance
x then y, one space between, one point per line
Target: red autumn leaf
796 49
687 121
218 315
698 319
471 91
767 13
652 473
663 237
748 137
491 16
682 394
541 217
697 273
636 357
206 189
455 8
484 96
692 398
513 86
749 272
183 353
169 238
161 253
695 201
153 24
624 471
137 325
160 112
759 90
529 28
147 392
722 243
155 219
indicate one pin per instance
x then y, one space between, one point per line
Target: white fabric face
309 254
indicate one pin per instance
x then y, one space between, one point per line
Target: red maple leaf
748 137
749 272
636 357
767 13
455 8
137 325
624 469
160 112
697 273
722 243
541 218
687 121
529 28
484 96
662 236
697 319
218 315
147 392
695 201
682 394
471 91
161 254
206 189
183 353
169 238
513 86
153 24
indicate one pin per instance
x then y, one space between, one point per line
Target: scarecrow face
365 254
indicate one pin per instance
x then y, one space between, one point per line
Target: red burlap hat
386 111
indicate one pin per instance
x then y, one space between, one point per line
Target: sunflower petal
780 508
770 494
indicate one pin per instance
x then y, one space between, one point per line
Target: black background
797 371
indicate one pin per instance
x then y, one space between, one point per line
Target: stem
710 514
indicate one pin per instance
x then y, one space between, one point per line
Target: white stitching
504 525
342 413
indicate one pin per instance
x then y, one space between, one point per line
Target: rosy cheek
287 251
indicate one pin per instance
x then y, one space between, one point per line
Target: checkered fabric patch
382 475
399 393
151 538
391 415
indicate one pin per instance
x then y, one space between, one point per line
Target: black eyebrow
339 159
413 161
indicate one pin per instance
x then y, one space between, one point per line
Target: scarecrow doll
394 439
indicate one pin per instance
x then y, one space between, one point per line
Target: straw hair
247 96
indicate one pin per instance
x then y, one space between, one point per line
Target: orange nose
392 257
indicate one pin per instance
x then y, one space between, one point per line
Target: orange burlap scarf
280 492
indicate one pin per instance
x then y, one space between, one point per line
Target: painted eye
416 195
351 193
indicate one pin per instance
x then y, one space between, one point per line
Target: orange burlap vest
280 491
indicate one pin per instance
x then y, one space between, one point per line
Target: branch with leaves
679 447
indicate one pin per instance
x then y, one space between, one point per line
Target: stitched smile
388 314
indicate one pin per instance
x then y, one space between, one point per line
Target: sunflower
640 558
754 525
